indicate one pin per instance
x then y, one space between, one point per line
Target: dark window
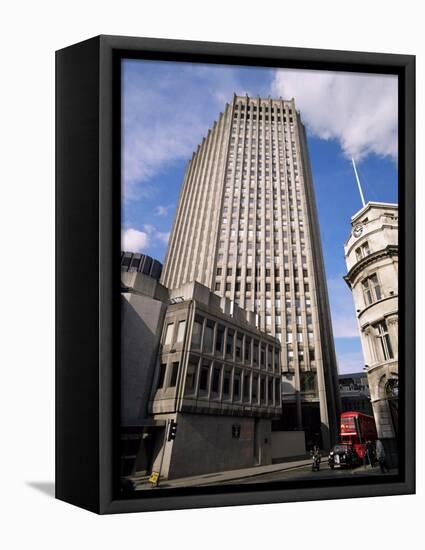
239 346
255 389
229 342
226 383
269 357
246 387
247 349
208 337
215 384
270 390
255 358
174 372
192 369
161 379
308 381
197 333
237 386
262 355
203 380
219 339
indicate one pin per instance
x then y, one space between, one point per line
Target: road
305 472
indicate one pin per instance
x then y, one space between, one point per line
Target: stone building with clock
371 255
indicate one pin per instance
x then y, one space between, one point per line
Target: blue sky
168 108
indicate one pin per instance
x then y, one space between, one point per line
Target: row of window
263 108
227 286
260 259
232 232
221 340
229 271
260 220
215 380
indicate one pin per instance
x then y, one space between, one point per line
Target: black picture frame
88 199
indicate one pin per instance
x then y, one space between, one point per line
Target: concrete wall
141 325
204 444
286 444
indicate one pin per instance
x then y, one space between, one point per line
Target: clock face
358 230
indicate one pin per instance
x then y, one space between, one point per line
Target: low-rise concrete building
371 254
354 393
208 371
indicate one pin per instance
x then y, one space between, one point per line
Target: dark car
342 456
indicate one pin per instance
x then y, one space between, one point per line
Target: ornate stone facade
371 254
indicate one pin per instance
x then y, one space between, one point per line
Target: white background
30 32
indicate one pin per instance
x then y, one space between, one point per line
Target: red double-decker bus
356 429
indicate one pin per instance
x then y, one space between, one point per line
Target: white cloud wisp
134 241
357 110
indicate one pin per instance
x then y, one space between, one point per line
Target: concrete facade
287 444
371 254
193 357
246 227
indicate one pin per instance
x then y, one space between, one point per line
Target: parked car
343 456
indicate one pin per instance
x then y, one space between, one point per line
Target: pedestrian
315 453
368 453
380 455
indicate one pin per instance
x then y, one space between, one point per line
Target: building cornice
389 251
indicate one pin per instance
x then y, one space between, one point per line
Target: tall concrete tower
371 255
246 226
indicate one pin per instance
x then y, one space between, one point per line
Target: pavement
290 470
141 482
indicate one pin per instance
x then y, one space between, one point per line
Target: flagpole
358 182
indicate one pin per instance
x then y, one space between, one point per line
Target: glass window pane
192 369
161 379
197 334
208 337
180 331
174 372
169 334
204 377
219 343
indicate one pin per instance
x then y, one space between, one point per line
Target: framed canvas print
235 274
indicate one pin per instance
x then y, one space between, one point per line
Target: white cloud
358 110
344 320
134 241
166 113
161 210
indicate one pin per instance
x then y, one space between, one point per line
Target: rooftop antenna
358 182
